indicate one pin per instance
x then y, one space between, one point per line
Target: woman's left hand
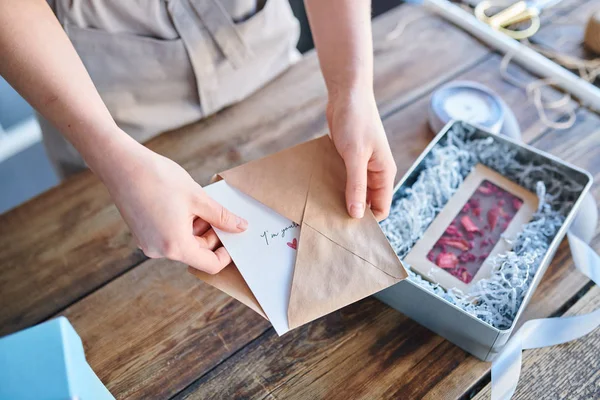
360 139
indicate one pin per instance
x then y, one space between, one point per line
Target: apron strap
223 31
199 23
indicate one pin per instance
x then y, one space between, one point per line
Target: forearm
344 42
167 211
342 33
39 61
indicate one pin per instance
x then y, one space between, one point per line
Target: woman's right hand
168 213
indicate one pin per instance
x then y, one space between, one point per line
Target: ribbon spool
591 39
474 103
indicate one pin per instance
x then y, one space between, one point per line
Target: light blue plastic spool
474 103
47 362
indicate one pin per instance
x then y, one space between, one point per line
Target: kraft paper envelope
340 260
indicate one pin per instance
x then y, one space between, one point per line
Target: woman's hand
358 135
168 213
342 33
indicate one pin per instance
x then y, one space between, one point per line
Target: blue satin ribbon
544 332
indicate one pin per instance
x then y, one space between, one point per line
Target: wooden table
151 330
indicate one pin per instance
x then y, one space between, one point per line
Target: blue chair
47 362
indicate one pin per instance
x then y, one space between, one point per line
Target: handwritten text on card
269 237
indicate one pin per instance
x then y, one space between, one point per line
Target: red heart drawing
293 244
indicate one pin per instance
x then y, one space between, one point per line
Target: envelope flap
340 259
326 213
279 181
230 281
337 279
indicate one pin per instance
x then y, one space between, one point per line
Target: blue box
47 362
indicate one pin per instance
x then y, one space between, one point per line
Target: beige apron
159 65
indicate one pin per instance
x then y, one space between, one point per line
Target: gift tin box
468 332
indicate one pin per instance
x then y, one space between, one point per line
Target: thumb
218 216
356 186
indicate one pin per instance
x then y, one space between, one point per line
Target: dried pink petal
468 224
492 218
452 231
447 260
486 190
460 244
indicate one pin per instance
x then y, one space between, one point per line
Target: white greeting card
265 254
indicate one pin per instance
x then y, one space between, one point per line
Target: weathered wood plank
326 359
567 371
388 356
57 248
70 241
155 329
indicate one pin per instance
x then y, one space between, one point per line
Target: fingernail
241 223
357 210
